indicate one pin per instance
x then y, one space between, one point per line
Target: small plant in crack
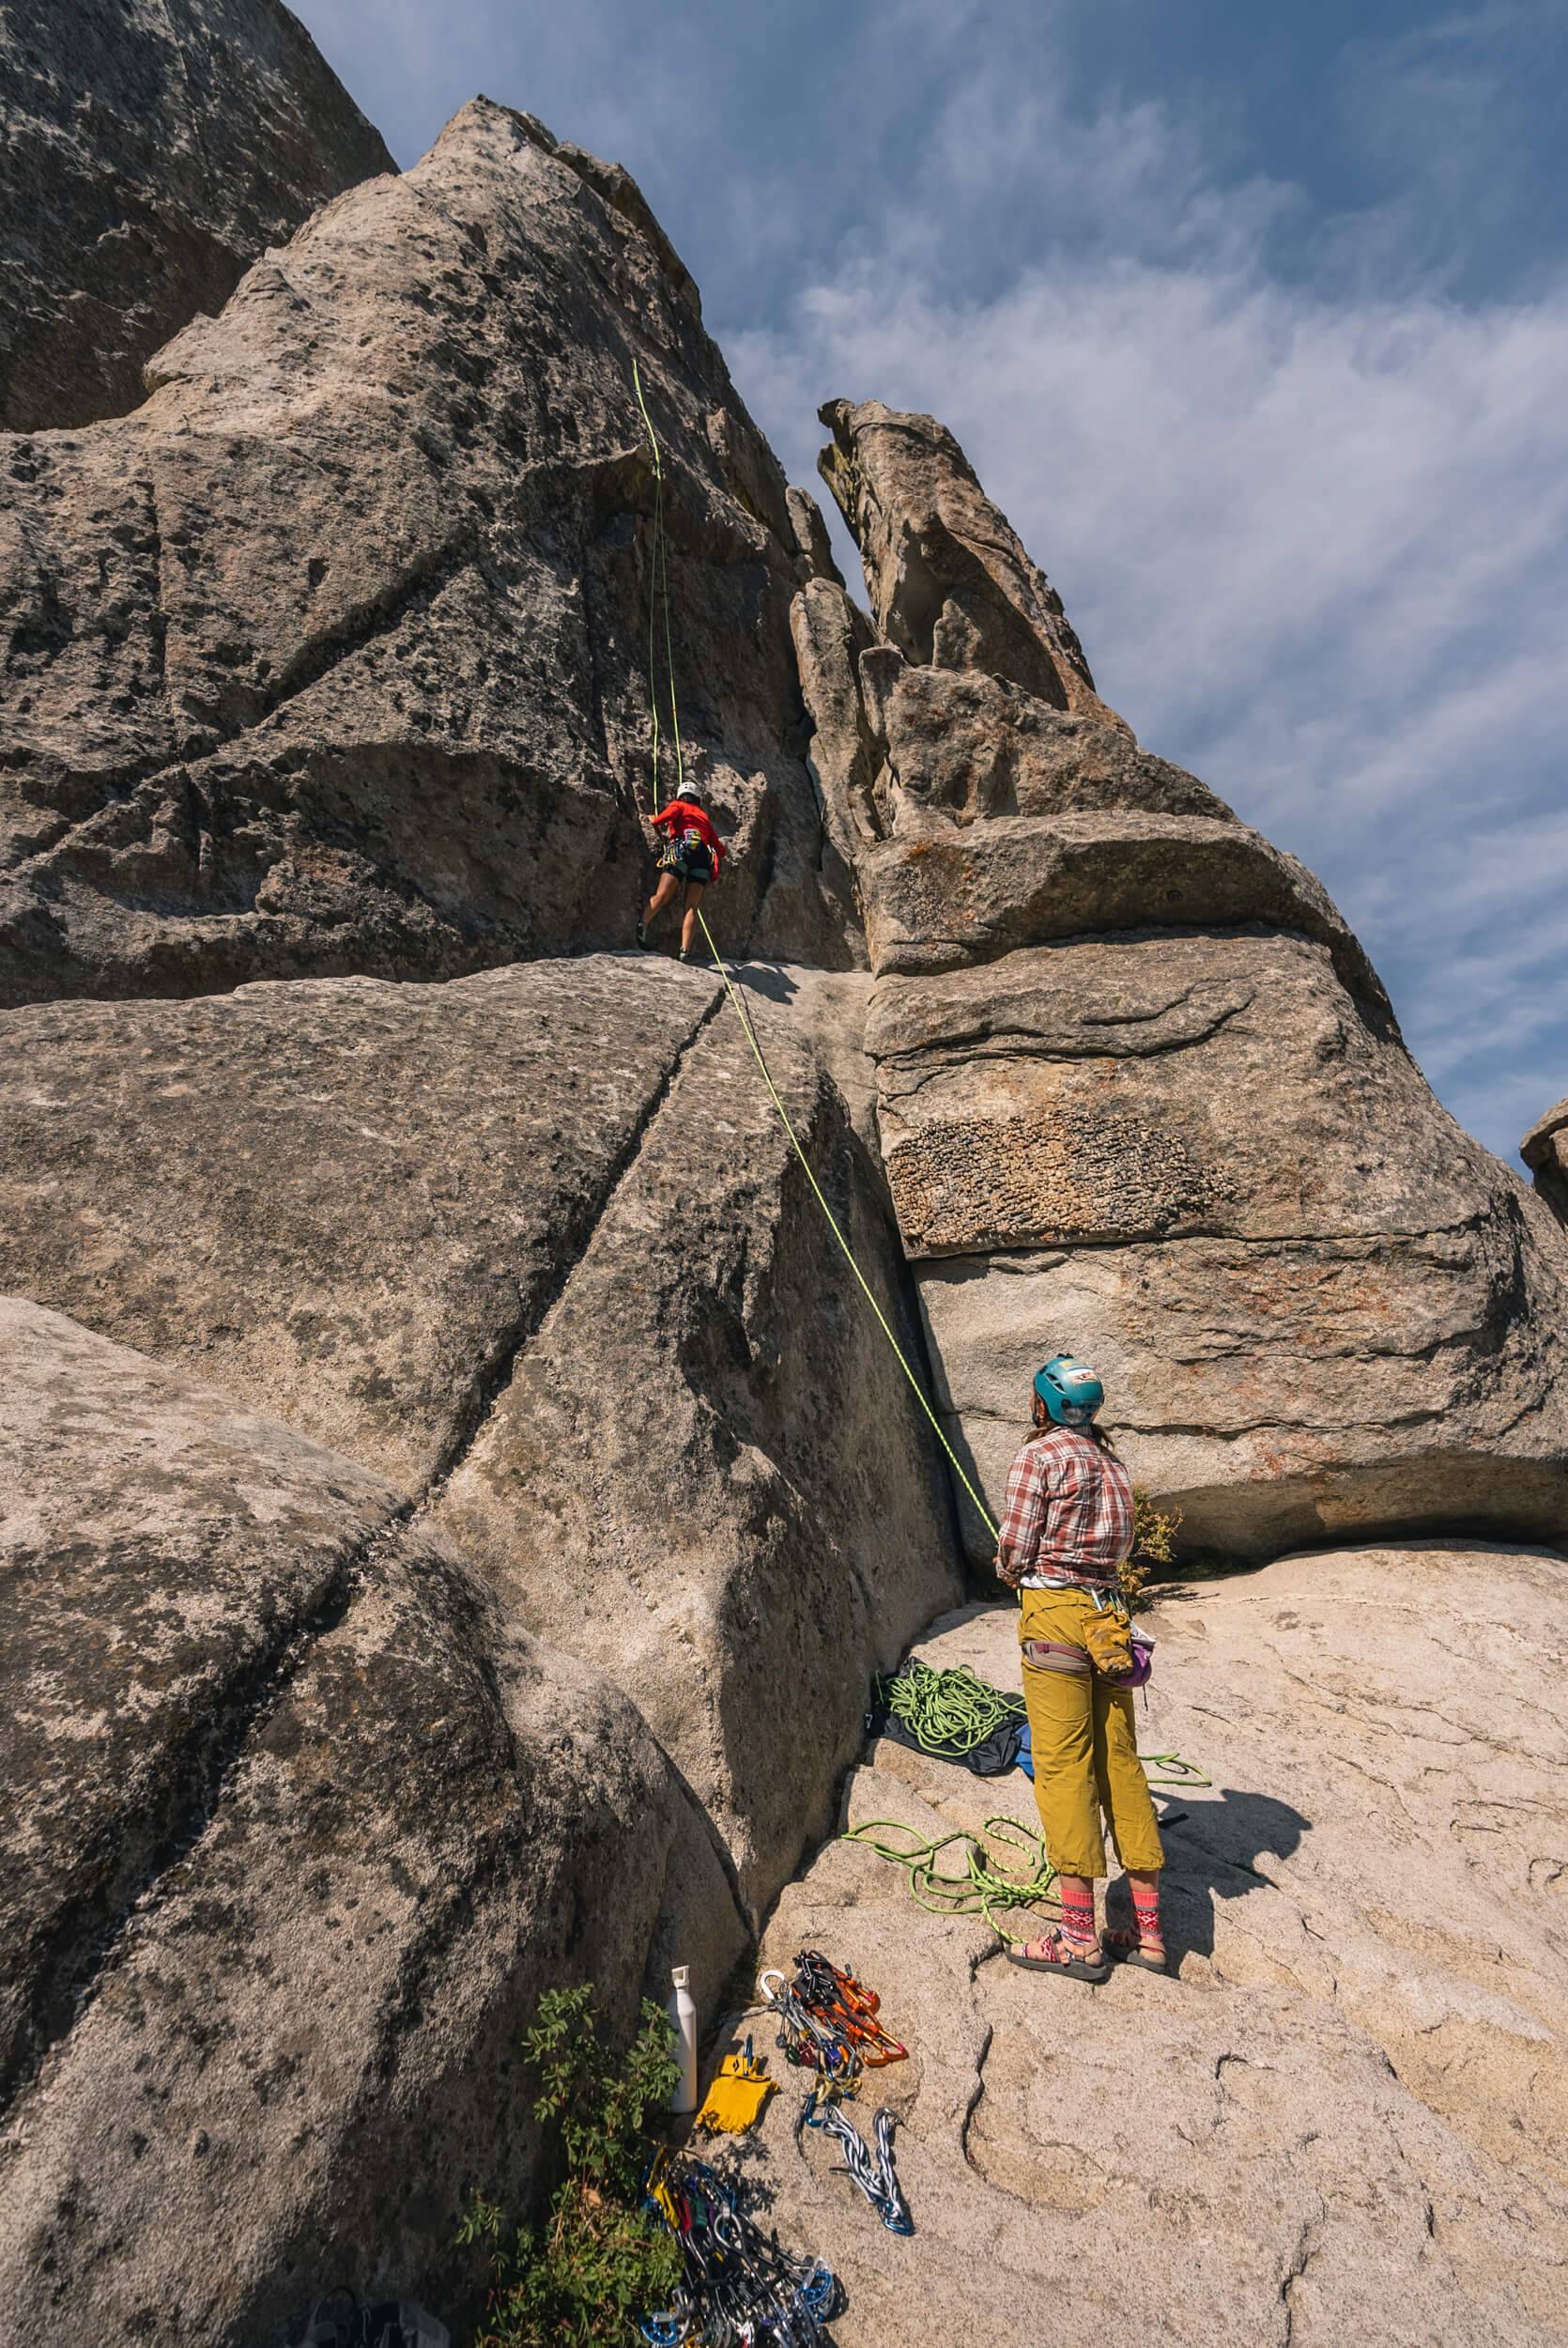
601 2260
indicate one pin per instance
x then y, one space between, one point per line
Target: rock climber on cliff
1065 1529
689 860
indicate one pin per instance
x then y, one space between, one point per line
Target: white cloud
1314 541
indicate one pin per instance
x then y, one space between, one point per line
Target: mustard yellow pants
1085 1749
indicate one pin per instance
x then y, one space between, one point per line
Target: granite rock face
335 657
1545 1150
152 150
1140 1094
1348 2118
533 1245
297 1825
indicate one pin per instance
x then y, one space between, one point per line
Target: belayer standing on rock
1066 1530
690 858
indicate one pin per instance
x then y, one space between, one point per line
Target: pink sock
1078 1915
1145 1910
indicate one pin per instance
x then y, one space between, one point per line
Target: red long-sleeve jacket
685 815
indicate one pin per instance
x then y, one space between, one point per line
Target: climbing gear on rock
842 2002
877 2179
828 2020
952 1714
1069 1390
981 1890
339 2320
740 2287
736 2096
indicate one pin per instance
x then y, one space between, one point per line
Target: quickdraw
845 2004
739 2288
829 2021
876 2179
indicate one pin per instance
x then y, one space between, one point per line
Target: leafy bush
601 2260
1154 1534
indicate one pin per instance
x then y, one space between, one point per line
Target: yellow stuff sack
1108 1636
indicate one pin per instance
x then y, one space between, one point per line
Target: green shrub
600 2261
1154 1534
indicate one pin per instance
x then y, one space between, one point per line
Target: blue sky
1256 321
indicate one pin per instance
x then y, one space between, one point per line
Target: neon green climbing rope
982 1890
948 1713
660 578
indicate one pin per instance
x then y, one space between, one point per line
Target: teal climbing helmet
1069 1390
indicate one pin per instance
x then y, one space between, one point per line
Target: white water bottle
682 2021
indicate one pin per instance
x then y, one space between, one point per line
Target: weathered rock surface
153 148
1348 2118
706 1476
534 1245
1545 1150
296 1827
950 584
1140 1094
350 1200
335 657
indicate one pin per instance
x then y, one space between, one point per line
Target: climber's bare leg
689 926
667 885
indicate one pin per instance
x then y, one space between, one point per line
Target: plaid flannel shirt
1069 1513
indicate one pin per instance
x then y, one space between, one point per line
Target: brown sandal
1059 1961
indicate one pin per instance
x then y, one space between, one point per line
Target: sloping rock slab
294 1831
706 1474
1348 2117
347 1200
535 1247
335 658
153 148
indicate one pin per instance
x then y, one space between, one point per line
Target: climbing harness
740 2287
877 2179
982 1890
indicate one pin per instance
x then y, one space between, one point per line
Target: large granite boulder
153 148
1140 1094
335 656
1348 2118
534 1245
1545 1150
296 1827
